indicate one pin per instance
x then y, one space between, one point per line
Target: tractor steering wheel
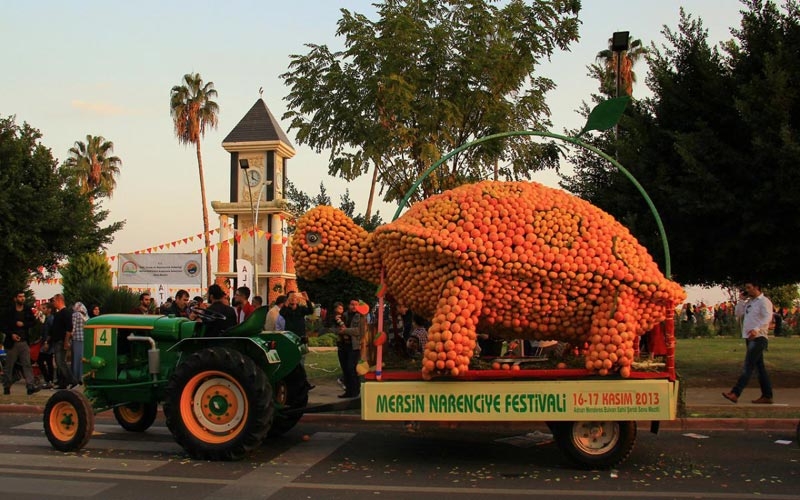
207 316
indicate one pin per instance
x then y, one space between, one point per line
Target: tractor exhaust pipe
153 355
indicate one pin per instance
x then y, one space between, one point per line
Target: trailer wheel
136 417
218 404
291 393
68 420
596 444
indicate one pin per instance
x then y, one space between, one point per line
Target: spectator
79 318
353 332
216 296
241 302
180 306
45 360
144 304
257 301
270 324
94 310
294 313
60 337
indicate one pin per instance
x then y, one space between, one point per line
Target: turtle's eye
313 239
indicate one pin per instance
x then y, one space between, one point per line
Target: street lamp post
619 44
244 164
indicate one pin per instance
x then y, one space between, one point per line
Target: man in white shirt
757 315
270 324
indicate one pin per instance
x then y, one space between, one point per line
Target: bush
119 300
324 340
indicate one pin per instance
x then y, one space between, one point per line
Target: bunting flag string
238 235
237 238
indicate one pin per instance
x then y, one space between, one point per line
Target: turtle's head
327 239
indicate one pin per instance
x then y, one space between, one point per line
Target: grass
717 362
701 362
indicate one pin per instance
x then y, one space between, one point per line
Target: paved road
346 458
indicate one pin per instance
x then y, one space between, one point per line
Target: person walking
756 312
61 341
19 320
45 360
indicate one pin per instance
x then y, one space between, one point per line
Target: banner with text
648 399
171 268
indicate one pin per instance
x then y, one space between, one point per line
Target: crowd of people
59 350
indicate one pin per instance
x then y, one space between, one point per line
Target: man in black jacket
216 296
18 321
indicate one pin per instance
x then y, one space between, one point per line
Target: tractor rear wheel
136 417
218 404
68 420
291 393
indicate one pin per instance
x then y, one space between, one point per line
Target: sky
106 68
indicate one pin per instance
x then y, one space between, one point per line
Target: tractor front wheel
136 417
68 420
218 404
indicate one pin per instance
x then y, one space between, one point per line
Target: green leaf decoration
605 115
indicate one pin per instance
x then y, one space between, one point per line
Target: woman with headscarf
79 318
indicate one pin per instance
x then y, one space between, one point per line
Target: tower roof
258 125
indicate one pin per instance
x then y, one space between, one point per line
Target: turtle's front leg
452 336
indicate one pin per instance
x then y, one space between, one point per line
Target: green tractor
222 396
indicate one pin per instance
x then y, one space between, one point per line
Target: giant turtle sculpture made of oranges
515 260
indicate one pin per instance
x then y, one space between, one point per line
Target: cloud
100 108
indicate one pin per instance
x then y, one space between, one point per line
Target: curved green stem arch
571 140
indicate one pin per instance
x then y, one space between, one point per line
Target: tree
44 216
424 78
716 147
193 110
87 278
94 166
627 60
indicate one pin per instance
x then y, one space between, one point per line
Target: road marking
147 478
133 444
78 462
103 428
279 472
40 487
433 490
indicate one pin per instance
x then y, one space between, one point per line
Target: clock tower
259 153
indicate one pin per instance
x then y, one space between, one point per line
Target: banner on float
172 268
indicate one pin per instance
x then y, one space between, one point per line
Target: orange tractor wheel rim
131 413
214 407
64 421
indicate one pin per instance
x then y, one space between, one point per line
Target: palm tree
93 166
636 51
193 109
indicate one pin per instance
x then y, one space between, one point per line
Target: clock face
253 177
